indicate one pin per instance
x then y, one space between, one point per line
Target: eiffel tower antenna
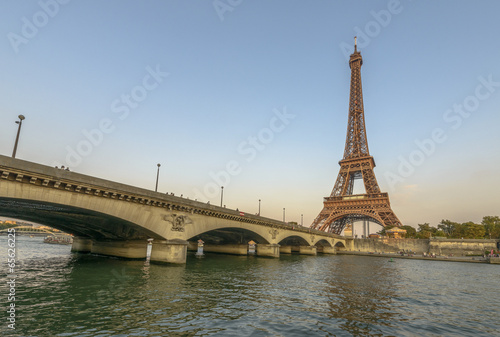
342 206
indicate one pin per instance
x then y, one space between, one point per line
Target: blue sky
255 94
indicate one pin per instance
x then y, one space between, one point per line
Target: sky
253 96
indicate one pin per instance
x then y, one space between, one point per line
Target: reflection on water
361 295
64 294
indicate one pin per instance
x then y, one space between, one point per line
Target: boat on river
59 239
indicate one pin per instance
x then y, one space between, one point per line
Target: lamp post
157 176
301 220
259 207
283 214
20 122
221 194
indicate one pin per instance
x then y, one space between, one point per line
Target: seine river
63 294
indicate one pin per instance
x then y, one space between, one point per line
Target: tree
451 229
458 231
425 231
492 226
439 233
473 231
411 232
448 227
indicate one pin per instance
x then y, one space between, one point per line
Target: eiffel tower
343 207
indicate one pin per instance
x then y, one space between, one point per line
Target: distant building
374 236
396 233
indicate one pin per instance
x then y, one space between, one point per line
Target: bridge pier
327 250
169 251
286 249
81 245
271 250
136 249
307 250
236 249
348 244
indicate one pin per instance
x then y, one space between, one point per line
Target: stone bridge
115 219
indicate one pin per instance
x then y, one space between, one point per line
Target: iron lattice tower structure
343 207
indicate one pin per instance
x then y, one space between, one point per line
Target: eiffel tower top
356 145
356 55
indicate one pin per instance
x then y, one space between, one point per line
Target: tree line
489 228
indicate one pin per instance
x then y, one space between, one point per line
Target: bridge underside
79 222
229 236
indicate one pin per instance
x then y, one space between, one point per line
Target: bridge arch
340 246
323 243
294 240
305 237
229 235
85 223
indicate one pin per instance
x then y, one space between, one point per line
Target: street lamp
259 207
20 122
221 194
301 220
157 176
283 214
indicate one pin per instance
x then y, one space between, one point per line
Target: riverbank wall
443 247
471 259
